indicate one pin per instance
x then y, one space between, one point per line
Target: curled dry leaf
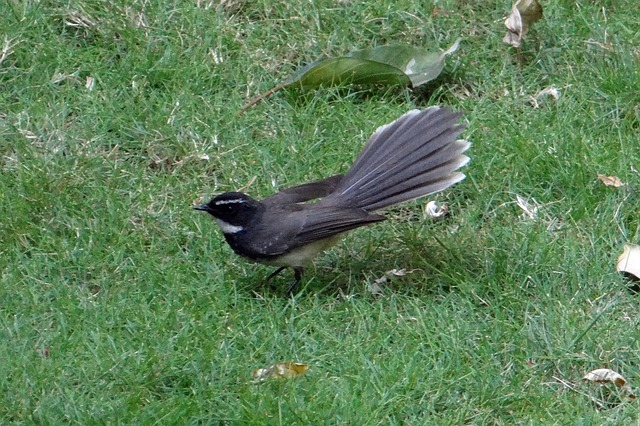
375 287
90 82
629 262
611 180
550 91
523 14
605 375
530 210
282 370
436 211
58 77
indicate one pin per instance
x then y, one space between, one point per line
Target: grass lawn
119 304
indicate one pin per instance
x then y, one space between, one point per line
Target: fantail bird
414 156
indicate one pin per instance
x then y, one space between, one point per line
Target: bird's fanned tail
414 156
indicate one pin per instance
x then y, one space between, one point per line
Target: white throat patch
228 228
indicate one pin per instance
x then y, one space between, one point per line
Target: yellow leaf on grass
282 370
605 375
611 180
523 14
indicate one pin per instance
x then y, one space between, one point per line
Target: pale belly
302 256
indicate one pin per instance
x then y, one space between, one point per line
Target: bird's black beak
201 207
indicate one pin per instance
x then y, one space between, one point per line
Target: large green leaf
393 65
346 70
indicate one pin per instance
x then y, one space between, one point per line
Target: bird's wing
323 223
305 192
282 231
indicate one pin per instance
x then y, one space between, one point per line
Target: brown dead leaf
611 180
629 262
605 375
523 14
282 370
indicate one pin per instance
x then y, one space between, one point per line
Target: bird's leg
297 274
274 273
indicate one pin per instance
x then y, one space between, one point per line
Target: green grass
121 305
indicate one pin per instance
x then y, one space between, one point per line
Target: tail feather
420 165
414 156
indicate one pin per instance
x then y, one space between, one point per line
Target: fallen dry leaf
435 210
611 180
530 210
90 82
282 370
629 262
375 287
549 91
605 375
546 92
523 14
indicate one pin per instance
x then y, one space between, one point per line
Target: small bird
416 155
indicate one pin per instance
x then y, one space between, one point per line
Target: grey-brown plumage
416 155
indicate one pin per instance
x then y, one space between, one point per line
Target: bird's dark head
233 211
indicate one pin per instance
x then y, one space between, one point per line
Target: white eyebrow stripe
234 201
